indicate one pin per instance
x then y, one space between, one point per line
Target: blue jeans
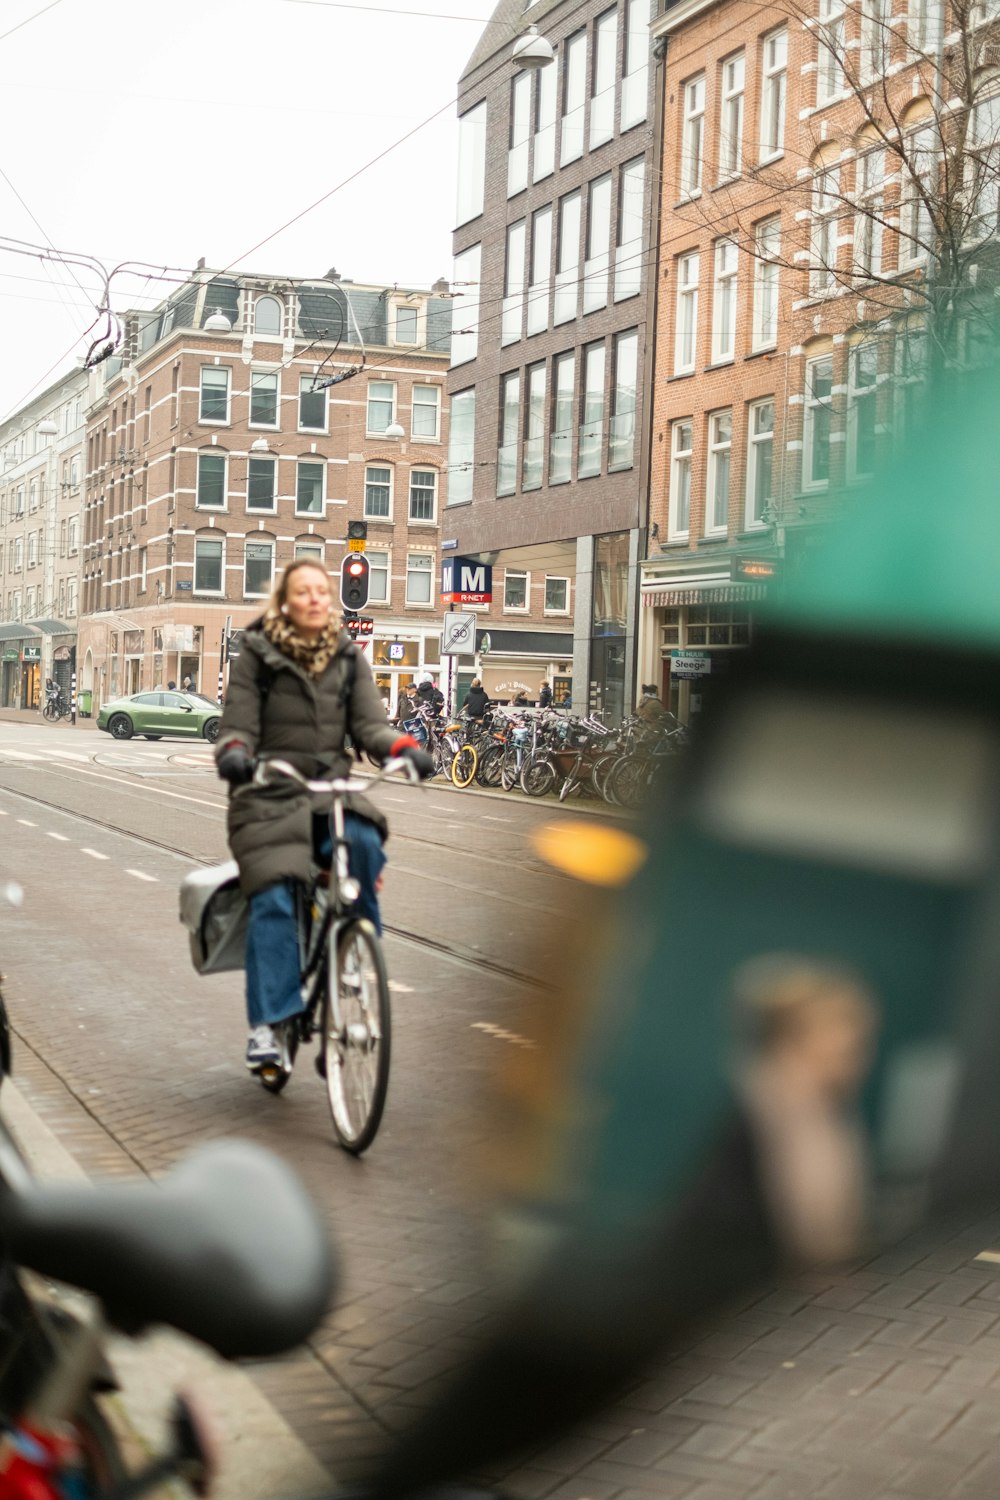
272 953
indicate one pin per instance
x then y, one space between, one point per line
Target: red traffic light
355 574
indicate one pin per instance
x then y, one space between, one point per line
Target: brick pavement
881 1382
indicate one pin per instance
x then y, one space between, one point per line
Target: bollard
72 698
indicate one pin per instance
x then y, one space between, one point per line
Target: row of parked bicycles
549 751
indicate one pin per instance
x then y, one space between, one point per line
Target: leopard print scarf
314 656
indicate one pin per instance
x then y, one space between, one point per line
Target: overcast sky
166 130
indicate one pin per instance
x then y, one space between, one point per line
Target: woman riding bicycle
297 689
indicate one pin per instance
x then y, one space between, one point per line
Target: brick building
245 420
41 503
547 476
791 332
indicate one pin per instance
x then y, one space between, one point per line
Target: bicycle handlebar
340 786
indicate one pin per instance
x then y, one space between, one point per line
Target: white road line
992 1257
62 837
139 875
137 787
489 818
21 755
27 823
70 755
95 854
2 813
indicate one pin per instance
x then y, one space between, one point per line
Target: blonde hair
279 593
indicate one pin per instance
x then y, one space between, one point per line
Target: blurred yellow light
601 856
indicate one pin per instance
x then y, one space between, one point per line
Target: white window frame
519 140
515 272
420 572
316 462
371 515
830 50
724 301
574 98
720 461
774 93
551 609
597 253
540 284
72 536
567 280
257 377
692 135
306 383
533 456
823 238
267 333
766 283
431 405
813 404
465 305
389 385
383 570
462 446
432 490
212 541
510 432
471 184
915 225
686 329
605 63
543 150
563 418
982 165
254 508
876 40
732 88
403 306
621 428
925 26
755 441
258 541
681 463
629 249
312 547
215 455
862 404
227 374
868 227
517 609
635 68
591 437
32 549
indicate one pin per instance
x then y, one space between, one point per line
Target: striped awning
720 593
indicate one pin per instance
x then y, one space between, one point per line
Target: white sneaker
262 1049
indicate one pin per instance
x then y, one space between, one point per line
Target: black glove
235 764
421 762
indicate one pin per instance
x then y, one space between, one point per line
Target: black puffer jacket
274 707
477 702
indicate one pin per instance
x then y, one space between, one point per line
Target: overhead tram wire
28 19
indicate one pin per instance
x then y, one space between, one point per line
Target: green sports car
158 714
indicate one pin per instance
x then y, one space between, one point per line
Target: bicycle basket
215 911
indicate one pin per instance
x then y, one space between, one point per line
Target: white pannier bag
214 910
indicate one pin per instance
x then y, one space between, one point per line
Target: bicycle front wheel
463 767
357 1036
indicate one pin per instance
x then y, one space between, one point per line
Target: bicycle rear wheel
357 1036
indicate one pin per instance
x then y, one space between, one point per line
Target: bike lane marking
62 837
140 875
94 853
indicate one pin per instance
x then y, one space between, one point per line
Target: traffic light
354 581
360 629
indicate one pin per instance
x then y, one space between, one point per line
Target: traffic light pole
223 649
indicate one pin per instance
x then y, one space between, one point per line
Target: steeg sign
465 581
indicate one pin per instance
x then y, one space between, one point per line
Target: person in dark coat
298 687
476 699
429 696
405 706
544 695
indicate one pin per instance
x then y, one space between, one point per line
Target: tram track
455 953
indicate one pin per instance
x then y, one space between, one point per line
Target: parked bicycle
56 705
345 986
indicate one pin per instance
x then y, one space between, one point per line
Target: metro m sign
465 581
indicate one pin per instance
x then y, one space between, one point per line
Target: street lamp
532 51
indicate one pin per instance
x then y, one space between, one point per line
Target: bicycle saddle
228 1248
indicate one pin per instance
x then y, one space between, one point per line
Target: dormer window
406 318
267 317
